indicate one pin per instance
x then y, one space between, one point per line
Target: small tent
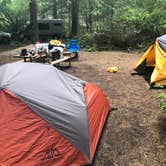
154 58
48 117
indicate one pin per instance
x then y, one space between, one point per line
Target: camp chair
73 47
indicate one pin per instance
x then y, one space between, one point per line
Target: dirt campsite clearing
135 133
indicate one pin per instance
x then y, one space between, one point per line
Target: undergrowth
162 100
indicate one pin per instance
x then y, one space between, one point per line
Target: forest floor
135 134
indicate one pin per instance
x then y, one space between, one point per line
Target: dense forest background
98 24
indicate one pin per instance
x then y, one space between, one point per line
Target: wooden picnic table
65 56
25 57
30 57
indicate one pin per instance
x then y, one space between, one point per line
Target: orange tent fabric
96 117
26 139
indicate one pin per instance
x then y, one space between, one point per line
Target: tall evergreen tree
33 20
55 9
74 14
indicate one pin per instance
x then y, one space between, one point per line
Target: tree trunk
33 20
55 13
87 22
74 14
69 17
90 15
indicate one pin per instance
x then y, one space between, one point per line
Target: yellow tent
154 57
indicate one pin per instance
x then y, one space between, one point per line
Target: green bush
102 41
87 42
96 41
162 99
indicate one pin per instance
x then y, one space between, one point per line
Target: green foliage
87 42
13 16
131 23
162 99
96 41
102 41
141 21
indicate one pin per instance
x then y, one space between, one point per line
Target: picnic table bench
67 57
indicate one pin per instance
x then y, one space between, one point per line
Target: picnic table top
30 55
65 56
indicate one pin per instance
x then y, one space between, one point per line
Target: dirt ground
135 134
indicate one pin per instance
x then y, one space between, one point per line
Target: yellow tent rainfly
154 58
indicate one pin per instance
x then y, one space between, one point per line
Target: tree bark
33 20
87 22
90 15
55 13
74 14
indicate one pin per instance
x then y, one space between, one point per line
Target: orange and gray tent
154 58
48 117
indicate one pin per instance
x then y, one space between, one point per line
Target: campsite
82 83
135 133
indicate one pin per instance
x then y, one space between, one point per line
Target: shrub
162 98
102 41
87 42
